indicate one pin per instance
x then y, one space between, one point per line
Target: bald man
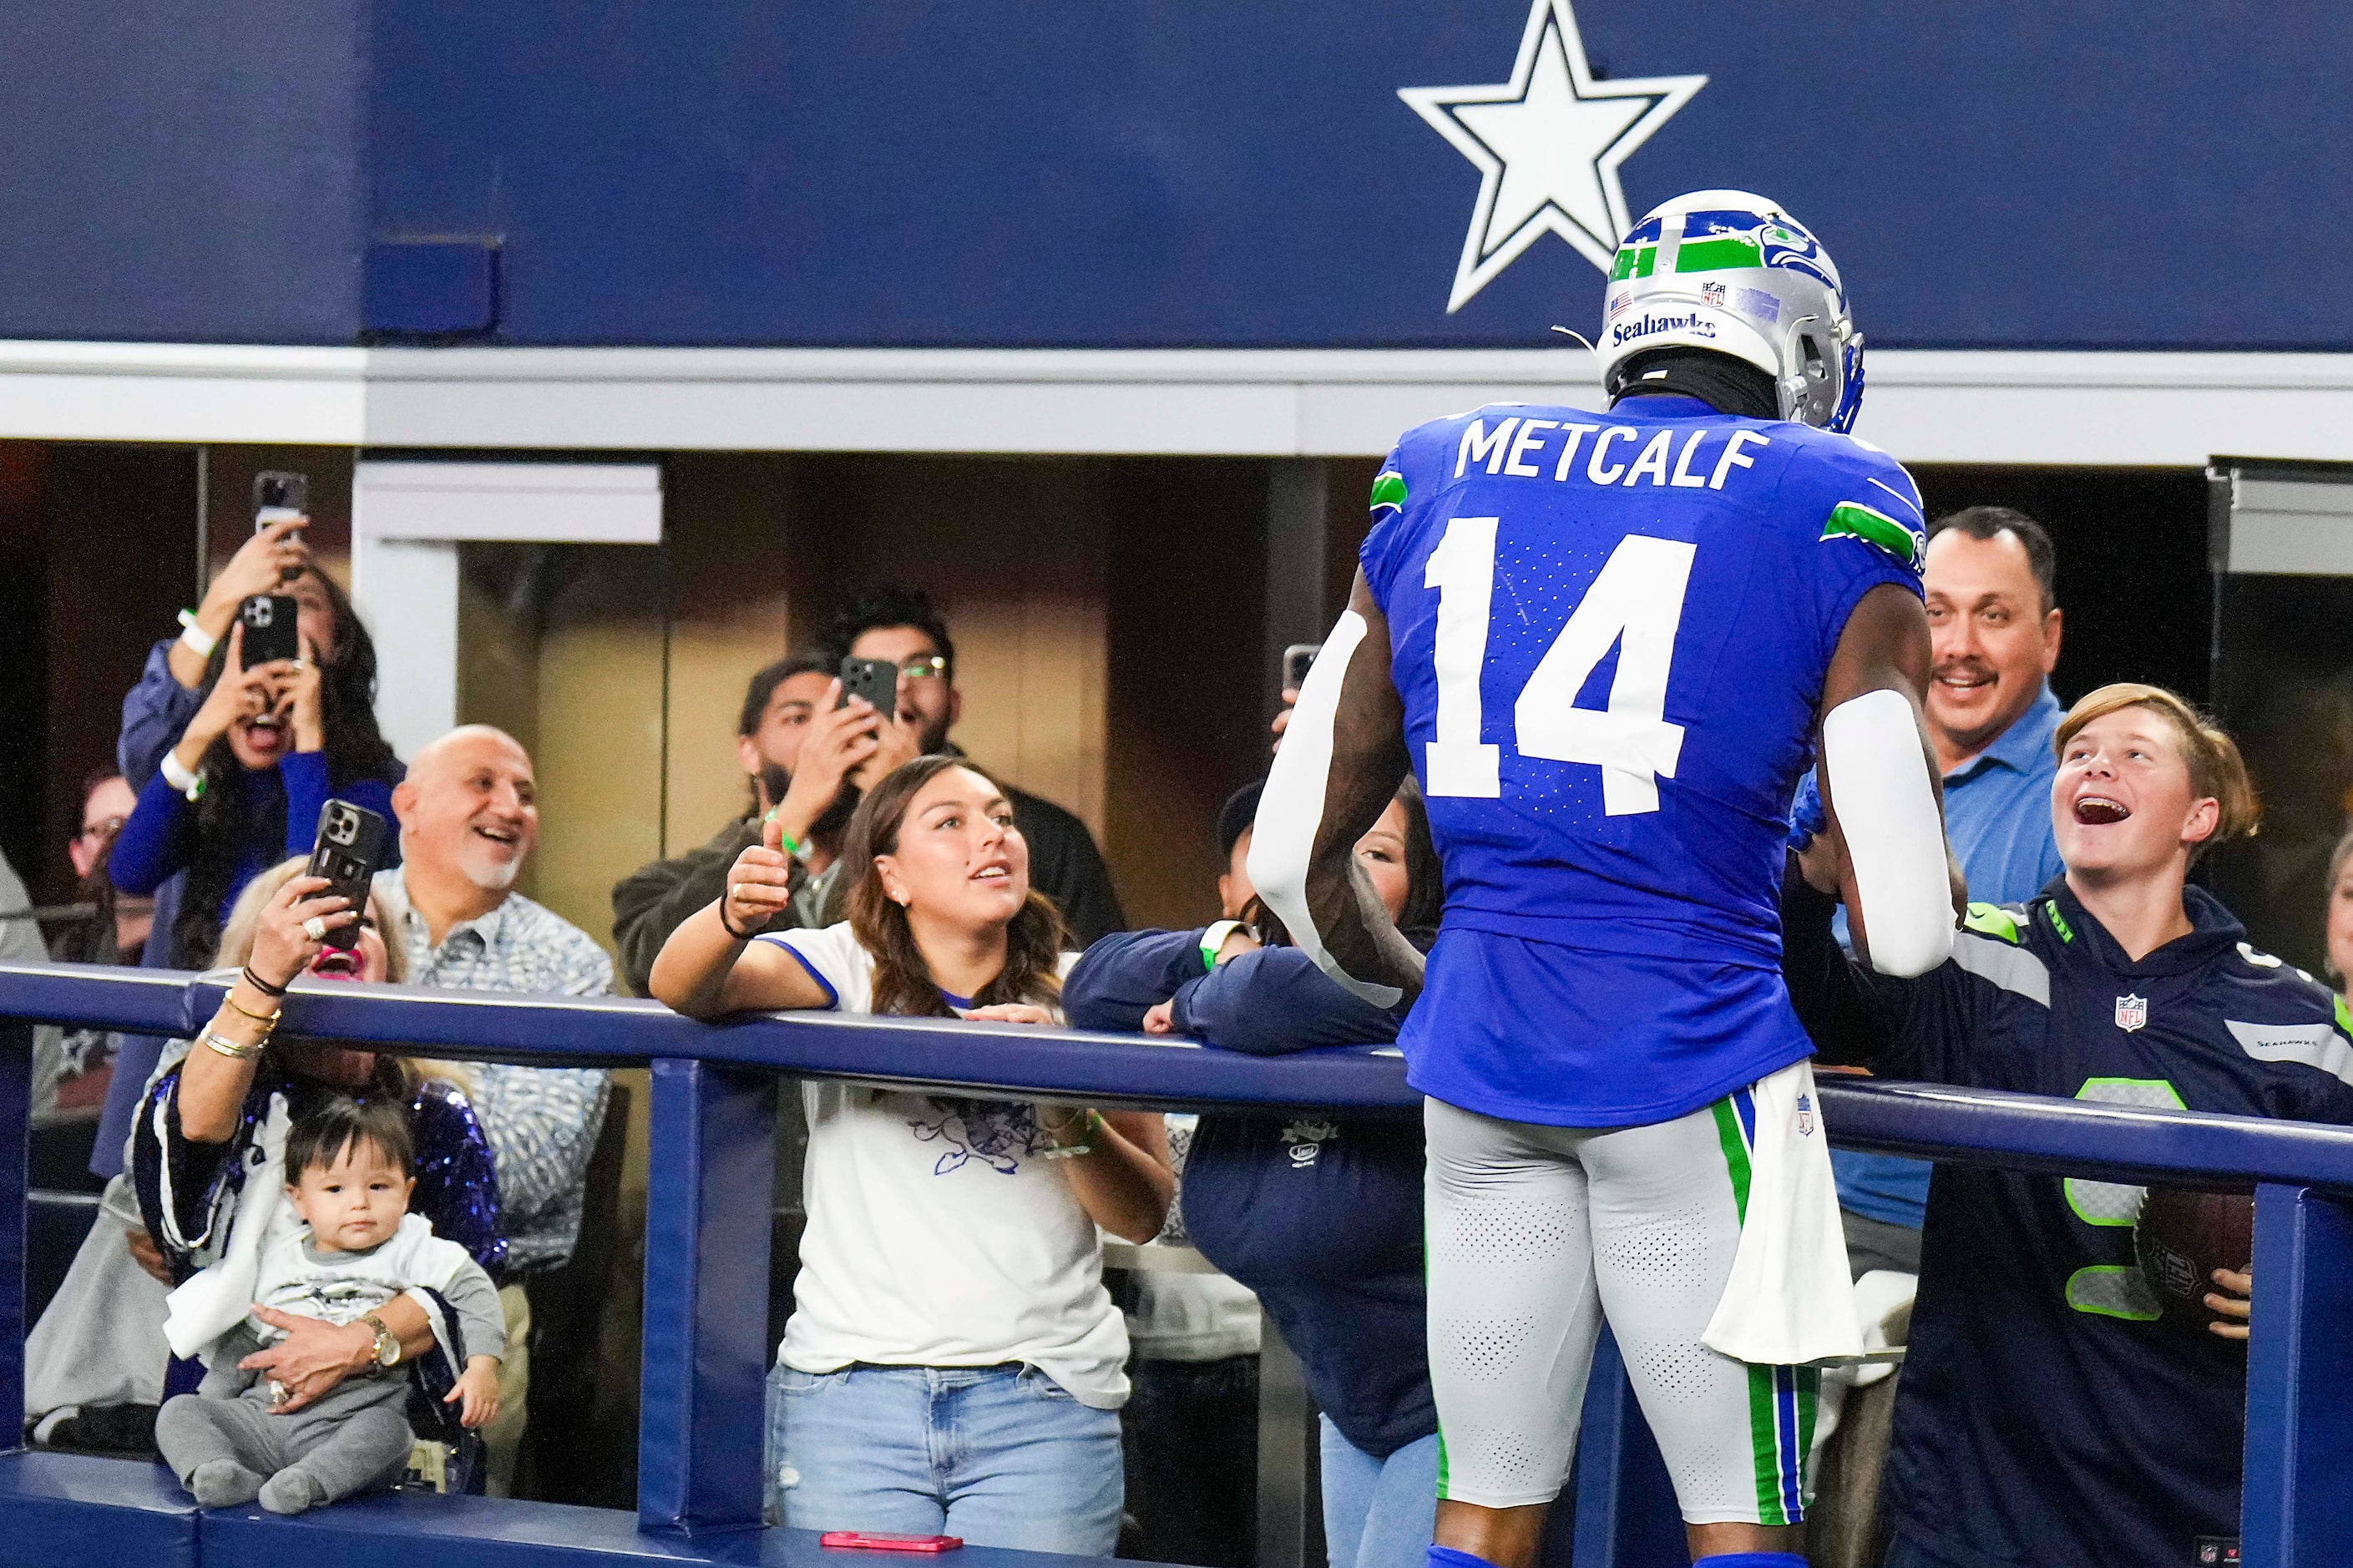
468 816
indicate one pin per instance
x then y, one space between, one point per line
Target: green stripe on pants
1736 1154
1765 1445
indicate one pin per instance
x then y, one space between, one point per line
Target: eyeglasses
932 669
106 830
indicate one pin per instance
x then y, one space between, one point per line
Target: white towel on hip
217 1296
1790 1300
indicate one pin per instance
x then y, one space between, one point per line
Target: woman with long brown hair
953 1364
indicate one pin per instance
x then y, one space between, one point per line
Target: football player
1610 644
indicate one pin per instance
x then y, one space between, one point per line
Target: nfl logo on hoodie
2132 1011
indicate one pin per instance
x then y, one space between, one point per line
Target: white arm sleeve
1880 788
1291 807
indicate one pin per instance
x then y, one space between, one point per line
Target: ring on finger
277 1392
315 928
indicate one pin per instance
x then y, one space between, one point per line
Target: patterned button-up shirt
541 1121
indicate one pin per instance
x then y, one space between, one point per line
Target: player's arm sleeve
1343 757
1886 802
1880 788
1918 1027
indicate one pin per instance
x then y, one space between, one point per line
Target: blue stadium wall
741 173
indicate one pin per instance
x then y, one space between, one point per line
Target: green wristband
1213 941
792 846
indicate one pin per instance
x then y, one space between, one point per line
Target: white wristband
189 784
194 637
1214 940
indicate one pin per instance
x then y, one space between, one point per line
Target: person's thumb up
772 832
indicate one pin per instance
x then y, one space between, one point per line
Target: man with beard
804 758
901 625
468 815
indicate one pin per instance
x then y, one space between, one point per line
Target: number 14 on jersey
1636 599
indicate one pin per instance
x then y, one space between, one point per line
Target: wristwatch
387 1347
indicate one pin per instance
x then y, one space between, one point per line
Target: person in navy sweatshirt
1321 1216
2047 1414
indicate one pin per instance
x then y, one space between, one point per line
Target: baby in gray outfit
347 1167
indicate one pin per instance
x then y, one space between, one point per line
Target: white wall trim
1923 406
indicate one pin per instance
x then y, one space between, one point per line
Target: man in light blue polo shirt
1994 622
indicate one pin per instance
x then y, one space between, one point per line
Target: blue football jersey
1611 633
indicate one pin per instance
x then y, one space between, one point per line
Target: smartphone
270 629
868 1541
279 495
1296 659
875 679
348 853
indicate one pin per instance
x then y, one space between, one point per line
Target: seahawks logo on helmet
1782 309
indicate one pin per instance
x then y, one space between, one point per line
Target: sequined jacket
457 1186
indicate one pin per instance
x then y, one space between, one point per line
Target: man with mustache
1993 623
468 817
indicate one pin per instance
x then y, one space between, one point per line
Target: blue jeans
999 1456
1378 1513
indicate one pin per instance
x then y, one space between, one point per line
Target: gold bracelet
268 1020
1059 1150
235 1052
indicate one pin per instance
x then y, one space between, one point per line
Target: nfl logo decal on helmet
1730 272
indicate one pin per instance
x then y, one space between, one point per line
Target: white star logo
1547 144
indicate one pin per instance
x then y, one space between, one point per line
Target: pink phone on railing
869 1540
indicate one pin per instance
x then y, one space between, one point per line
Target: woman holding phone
209 1124
232 763
953 1363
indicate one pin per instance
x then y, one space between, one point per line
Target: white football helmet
1731 272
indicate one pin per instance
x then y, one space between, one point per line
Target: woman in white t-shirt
954 1364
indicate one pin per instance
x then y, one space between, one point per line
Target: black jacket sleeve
1917 1029
1124 976
1822 979
1272 1000
1268 1001
653 902
1065 866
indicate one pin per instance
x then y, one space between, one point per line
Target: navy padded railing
713 1158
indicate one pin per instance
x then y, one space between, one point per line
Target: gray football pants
1535 1234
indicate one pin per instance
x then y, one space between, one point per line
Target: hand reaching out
477 1392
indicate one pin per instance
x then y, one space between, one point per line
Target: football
2181 1238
